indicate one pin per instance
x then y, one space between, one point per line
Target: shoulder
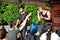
48 12
26 13
43 36
54 35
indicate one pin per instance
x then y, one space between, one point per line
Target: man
21 17
13 32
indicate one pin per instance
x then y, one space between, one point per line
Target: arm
49 16
38 33
23 24
17 22
28 19
39 18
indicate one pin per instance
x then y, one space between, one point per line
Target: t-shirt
12 34
21 17
54 36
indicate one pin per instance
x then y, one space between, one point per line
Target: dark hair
11 24
49 33
2 33
21 6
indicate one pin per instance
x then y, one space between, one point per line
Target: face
1 27
40 9
21 10
54 29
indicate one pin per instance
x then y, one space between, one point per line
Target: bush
9 12
33 9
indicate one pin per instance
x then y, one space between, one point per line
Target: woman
44 14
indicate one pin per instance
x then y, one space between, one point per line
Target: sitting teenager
12 34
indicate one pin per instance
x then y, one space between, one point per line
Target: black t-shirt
21 17
45 16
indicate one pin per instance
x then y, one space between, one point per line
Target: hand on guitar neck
28 15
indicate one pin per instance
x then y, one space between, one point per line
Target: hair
11 24
49 33
2 33
21 6
43 7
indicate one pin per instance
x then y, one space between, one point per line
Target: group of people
19 31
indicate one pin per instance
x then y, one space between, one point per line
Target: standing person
2 34
44 14
21 17
12 33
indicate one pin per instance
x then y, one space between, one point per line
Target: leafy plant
9 12
33 9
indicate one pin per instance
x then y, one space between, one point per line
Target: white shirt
43 36
54 36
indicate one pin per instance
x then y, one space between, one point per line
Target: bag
33 29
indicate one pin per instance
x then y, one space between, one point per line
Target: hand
38 11
28 15
42 17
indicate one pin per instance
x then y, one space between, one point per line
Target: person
21 17
1 26
2 34
54 35
49 35
45 15
58 31
32 32
12 33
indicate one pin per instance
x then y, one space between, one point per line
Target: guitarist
22 15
